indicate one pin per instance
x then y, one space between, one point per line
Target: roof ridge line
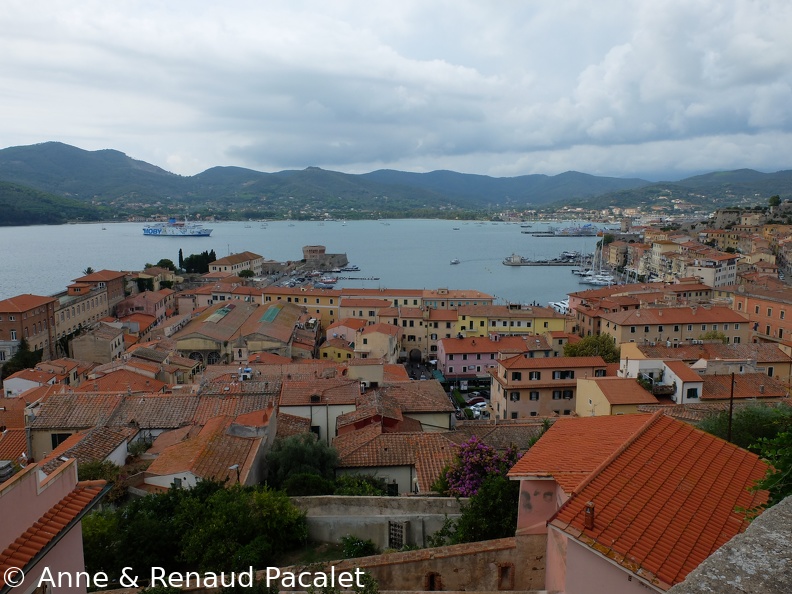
605 463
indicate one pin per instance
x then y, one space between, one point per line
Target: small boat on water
351 268
328 280
455 261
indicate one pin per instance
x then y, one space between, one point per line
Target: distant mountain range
71 183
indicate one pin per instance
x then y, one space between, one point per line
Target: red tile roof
746 385
12 412
13 443
122 380
623 390
665 500
52 525
675 315
595 439
682 371
25 302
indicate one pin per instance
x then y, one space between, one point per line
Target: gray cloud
611 88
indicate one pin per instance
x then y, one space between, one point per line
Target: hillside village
206 373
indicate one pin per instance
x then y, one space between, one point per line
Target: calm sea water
412 254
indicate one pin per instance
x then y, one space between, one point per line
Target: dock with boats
565 259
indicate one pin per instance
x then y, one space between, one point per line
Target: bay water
409 254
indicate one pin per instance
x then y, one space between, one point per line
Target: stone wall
332 517
503 564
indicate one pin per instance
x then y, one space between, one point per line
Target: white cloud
612 87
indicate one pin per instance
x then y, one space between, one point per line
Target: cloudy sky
657 89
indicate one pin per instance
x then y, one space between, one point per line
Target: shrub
307 484
357 547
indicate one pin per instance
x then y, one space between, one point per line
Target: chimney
589 517
761 388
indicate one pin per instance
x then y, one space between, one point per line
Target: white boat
561 307
176 229
455 261
328 280
351 268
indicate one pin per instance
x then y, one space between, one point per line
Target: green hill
20 205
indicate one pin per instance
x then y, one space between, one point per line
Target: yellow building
601 396
484 320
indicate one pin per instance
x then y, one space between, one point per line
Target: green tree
591 346
491 512
181 259
774 201
88 271
246 273
715 335
361 485
300 454
778 453
165 263
24 358
750 424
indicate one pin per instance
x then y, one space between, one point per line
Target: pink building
632 503
41 524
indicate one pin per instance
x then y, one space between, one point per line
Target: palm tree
88 270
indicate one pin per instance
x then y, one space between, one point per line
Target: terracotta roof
209 454
33 375
100 276
757 351
389 329
236 259
267 358
623 390
13 443
372 404
370 447
12 412
76 410
500 437
25 302
122 380
335 391
682 371
155 411
419 396
289 425
659 511
746 385
596 438
675 315
209 406
353 323
87 446
52 525
394 373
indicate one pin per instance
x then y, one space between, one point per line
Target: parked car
476 400
480 406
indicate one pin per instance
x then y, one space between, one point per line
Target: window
450 370
756 309
59 438
514 415
599 373
659 328
13 335
769 312
516 376
557 394
690 327
365 341
566 374
692 393
534 375
646 329
567 394
770 372
676 328
464 357
736 340
514 396
534 396
781 314
533 413
703 327
632 329
737 326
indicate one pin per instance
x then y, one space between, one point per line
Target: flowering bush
475 461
